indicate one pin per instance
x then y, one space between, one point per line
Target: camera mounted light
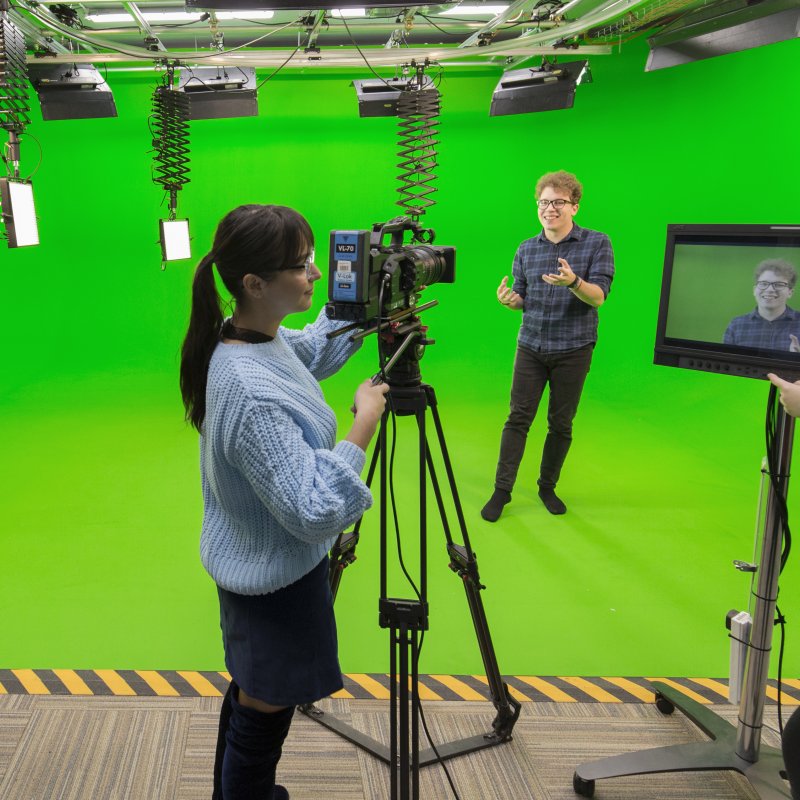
546 88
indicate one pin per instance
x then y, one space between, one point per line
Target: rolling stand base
765 775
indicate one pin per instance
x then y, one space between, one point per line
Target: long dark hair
250 239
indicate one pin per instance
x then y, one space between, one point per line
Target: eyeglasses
306 265
559 203
777 285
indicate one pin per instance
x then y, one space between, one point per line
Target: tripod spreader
463 563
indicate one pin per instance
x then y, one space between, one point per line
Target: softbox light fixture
19 213
378 98
219 92
723 28
280 5
174 237
71 91
546 88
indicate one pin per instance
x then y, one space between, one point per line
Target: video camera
370 279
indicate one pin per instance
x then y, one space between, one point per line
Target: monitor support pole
731 748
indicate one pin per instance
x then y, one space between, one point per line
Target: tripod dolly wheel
664 705
582 787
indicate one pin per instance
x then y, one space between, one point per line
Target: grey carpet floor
119 748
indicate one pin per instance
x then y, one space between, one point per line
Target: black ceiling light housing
219 92
723 28
71 91
545 88
378 97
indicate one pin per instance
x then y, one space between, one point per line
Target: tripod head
400 349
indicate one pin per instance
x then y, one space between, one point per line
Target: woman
277 488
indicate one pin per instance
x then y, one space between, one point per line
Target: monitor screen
730 300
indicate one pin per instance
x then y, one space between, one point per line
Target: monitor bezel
712 356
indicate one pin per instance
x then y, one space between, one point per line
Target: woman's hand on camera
368 407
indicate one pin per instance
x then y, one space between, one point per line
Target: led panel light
477 11
245 15
19 212
550 87
71 91
174 237
156 16
220 92
109 18
283 5
378 98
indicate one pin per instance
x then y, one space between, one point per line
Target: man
772 325
561 277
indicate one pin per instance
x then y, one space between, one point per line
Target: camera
371 279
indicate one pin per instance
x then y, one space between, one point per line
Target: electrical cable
398 539
416 591
219 69
778 482
41 155
780 620
276 71
360 52
439 28
218 53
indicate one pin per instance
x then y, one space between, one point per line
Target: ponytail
257 239
201 339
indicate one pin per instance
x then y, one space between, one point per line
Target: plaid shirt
554 319
752 330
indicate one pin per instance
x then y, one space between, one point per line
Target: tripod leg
462 561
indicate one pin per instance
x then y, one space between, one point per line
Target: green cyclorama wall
101 509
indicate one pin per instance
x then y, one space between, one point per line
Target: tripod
737 748
407 619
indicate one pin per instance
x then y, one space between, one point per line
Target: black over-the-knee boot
253 748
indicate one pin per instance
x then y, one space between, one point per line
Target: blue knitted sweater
277 489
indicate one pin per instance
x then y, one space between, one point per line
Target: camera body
370 279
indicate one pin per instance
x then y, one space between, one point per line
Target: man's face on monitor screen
771 292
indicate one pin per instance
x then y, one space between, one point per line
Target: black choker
230 331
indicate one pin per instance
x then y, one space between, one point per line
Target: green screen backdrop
101 505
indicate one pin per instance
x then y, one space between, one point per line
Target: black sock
494 508
551 501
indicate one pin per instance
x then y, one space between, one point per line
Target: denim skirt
281 647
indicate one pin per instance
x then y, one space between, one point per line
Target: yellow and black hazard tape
563 689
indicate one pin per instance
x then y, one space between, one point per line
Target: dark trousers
249 746
566 374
